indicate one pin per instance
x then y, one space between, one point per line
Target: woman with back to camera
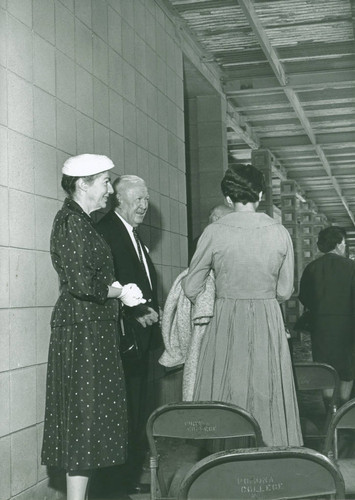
85 424
244 357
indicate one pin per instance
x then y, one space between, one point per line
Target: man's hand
148 319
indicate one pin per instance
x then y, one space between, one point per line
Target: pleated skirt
245 360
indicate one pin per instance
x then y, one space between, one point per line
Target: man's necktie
140 255
136 237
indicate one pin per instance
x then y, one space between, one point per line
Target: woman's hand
131 295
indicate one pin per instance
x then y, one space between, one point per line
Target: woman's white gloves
131 294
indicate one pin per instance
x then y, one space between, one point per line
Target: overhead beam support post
262 159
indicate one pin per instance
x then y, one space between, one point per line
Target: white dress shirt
131 235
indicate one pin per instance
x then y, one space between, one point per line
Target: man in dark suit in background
140 324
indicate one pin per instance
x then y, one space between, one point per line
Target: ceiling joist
297 81
237 123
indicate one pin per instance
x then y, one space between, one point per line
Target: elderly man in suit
140 324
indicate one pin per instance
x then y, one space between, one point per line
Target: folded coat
183 326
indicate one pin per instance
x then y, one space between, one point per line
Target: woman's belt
265 296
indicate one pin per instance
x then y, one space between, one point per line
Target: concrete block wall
76 76
208 158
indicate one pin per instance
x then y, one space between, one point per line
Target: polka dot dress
85 419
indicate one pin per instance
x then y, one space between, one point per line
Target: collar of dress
73 206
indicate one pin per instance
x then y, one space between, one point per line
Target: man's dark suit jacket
128 269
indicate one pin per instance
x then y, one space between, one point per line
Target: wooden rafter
237 123
245 133
339 139
322 79
352 6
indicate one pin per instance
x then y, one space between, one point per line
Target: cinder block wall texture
102 76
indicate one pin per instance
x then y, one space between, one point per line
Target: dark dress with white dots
85 418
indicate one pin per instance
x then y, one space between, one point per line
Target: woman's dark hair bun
243 183
329 238
69 184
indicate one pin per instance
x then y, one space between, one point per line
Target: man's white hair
121 182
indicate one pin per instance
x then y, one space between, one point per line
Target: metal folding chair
311 380
265 473
194 421
343 421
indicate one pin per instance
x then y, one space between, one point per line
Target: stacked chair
203 422
311 379
343 421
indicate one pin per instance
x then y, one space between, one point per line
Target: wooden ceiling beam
316 50
284 107
236 122
264 115
352 7
183 4
336 139
298 81
244 132
326 78
303 162
258 30
277 67
308 52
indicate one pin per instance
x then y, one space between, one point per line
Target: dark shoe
138 488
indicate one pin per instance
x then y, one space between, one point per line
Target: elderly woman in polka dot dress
85 419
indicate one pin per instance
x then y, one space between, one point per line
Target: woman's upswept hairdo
329 238
69 183
243 183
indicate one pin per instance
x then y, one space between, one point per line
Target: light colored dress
244 356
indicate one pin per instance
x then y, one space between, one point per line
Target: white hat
86 164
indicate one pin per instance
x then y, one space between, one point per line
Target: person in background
327 290
218 212
215 213
85 425
244 357
140 324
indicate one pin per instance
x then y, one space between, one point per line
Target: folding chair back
265 473
312 376
311 380
343 419
196 421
